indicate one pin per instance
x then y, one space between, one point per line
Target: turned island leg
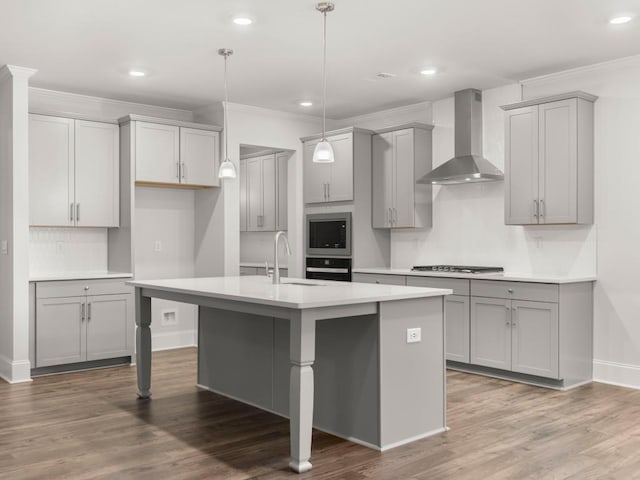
143 344
302 354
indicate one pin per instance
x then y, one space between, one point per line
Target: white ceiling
87 46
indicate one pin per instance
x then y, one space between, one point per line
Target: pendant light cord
226 111
324 76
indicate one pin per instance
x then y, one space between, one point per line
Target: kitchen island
377 352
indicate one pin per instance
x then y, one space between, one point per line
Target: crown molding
619 63
413 108
16 72
61 99
242 108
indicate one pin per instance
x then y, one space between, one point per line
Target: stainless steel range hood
468 165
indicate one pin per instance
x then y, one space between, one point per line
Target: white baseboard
620 374
171 340
15 371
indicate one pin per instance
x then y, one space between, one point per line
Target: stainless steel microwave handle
327 270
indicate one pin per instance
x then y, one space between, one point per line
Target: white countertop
46 277
504 276
259 264
315 293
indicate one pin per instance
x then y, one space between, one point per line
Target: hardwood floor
89 425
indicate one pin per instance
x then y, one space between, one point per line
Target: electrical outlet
157 246
414 335
169 318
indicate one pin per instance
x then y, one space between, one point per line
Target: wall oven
327 268
329 234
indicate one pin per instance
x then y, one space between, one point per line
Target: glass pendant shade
227 169
323 152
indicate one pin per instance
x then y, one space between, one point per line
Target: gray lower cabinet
529 328
82 321
516 335
456 314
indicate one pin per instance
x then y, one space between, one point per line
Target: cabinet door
51 171
254 194
491 332
382 180
282 166
157 153
316 176
243 195
521 166
340 187
109 326
535 338
403 179
199 157
60 331
456 315
558 145
97 179
268 193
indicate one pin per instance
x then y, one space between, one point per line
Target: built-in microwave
329 234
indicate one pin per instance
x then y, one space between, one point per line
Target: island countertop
295 293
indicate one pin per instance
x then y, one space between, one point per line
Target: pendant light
227 168
323 152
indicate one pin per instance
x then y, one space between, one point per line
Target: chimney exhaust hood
468 165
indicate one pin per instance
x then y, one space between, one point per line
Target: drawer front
460 286
75 288
379 278
536 292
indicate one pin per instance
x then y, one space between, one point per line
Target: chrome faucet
276 266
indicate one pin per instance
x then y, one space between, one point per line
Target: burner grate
457 269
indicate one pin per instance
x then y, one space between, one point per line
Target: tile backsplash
67 250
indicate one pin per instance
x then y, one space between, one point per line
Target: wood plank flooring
89 425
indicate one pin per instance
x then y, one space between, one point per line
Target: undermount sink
303 284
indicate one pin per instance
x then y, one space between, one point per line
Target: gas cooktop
456 269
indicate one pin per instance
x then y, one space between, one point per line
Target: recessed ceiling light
137 73
620 20
242 21
305 104
429 71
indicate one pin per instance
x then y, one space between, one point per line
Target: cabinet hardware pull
82 313
389 220
183 168
89 312
508 324
535 208
77 212
510 290
71 212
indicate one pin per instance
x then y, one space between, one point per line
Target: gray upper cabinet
73 172
263 192
401 156
549 160
333 182
172 153
243 194
282 166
